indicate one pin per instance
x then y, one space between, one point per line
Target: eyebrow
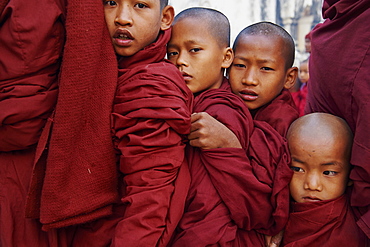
259 60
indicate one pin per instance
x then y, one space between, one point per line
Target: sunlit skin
320 162
198 55
303 72
258 73
134 24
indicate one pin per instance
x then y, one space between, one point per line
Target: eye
140 5
238 65
296 169
172 53
110 3
330 173
266 68
195 50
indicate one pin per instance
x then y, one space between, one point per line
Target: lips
186 76
311 199
122 37
248 95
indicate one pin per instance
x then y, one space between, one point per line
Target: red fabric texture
300 98
326 223
29 69
339 84
77 182
151 119
279 113
233 198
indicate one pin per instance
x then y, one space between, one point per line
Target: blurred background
298 17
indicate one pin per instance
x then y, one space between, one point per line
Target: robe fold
339 85
300 98
150 122
29 70
328 223
232 199
75 175
279 113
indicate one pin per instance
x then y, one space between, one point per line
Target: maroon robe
339 84
234 199
328 223
30 49
151 119
279 113
300 98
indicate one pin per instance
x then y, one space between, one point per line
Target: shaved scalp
163 3
218 24
270 29
321 126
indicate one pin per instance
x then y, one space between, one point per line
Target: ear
168 14
291 77
228 58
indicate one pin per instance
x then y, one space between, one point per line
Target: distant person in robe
29 70
339 82
221 208
55 119
150 122
320 146
300 96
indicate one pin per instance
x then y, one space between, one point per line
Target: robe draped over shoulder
150 122
232 200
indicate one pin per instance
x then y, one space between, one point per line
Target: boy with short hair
261 75
221 206
320 146
150 120
300 96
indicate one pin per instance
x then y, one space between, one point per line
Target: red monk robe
339 84
328 223
151 119
30 49
279 113
233 200
300 98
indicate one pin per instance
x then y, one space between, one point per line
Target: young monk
260 75
300 96
220 208
320 146
150 121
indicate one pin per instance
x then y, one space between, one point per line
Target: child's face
134 25
303 72
197 55
258 73
321 169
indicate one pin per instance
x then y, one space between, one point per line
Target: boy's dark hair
218 23
271 29
163 3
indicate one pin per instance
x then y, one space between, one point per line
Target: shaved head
270 29
321 128
217 23
163 3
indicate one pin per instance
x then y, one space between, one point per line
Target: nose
181 60
250 78
313 182
123 16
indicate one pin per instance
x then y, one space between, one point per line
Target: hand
206 132
274 241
